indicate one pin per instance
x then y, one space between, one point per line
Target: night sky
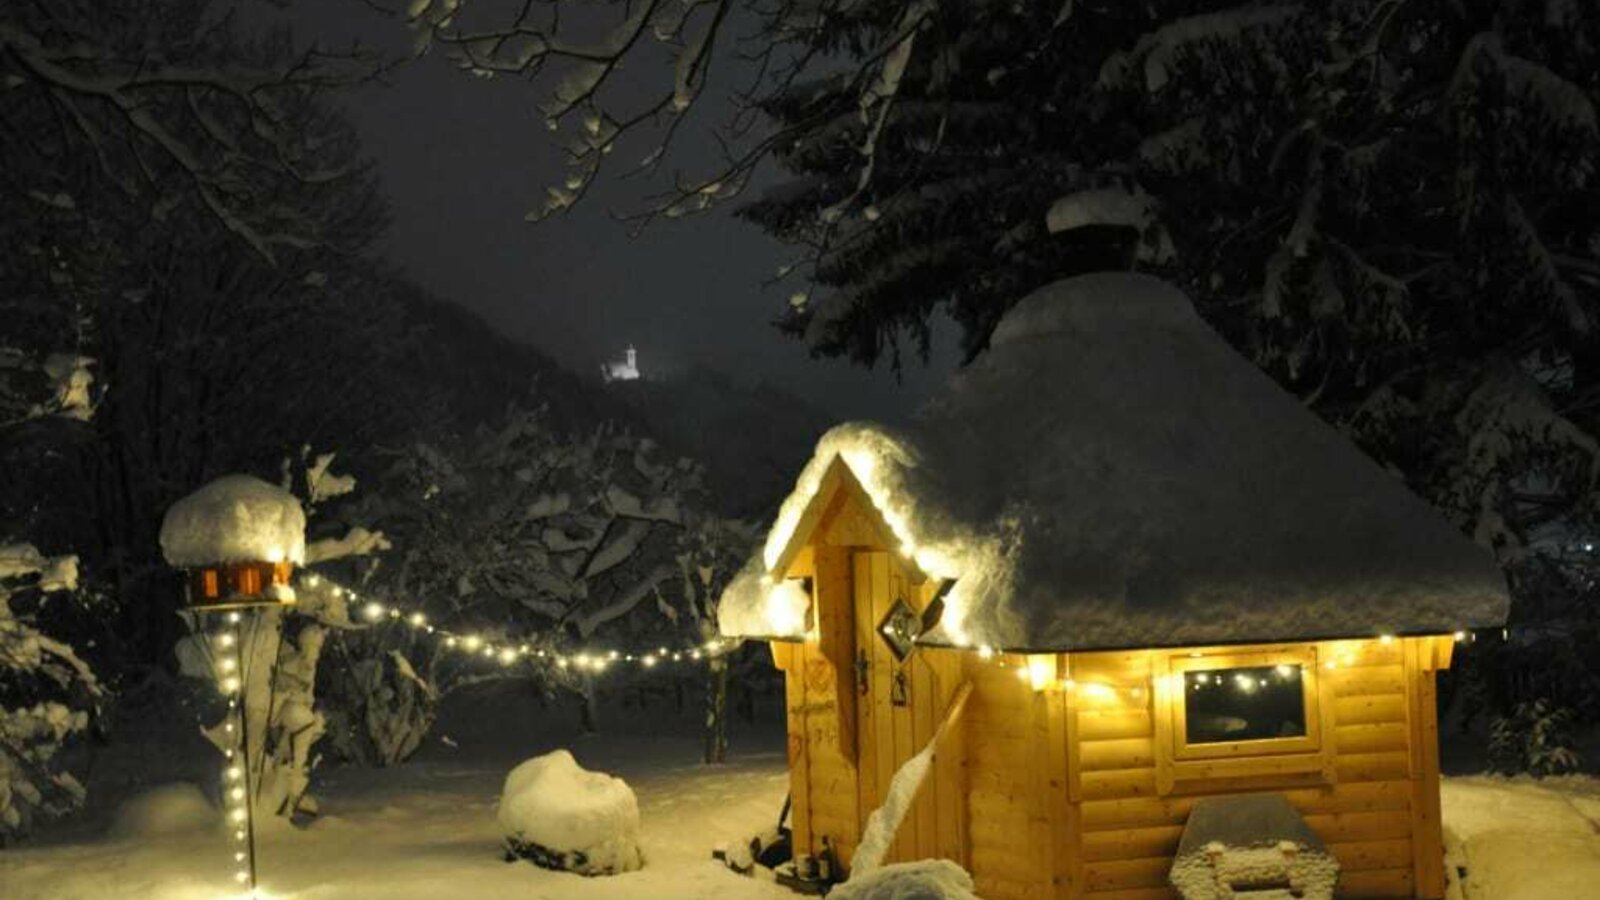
463 159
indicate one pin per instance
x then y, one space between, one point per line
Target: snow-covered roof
1112 474
237 518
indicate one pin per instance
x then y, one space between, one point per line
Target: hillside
752 439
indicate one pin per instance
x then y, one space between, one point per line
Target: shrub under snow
562 816
45 690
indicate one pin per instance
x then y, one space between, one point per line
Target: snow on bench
1251 846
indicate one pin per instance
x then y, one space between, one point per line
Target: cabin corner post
1065 852
790 658
1427 828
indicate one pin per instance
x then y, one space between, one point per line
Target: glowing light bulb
229 664
235 618
237 793
473 642
237 815
507 656
241 876
649 661
230 684
450 641
1385 638
374 611
227 639
1460 636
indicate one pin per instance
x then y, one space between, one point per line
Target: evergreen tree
1389 206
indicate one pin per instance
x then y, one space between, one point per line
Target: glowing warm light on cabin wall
1041 671
1095 691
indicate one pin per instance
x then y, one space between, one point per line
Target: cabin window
1250 703
1243 703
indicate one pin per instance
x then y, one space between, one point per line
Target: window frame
1179 665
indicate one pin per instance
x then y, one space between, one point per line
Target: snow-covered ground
1520 839
428 829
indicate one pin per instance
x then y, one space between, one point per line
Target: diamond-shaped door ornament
899 629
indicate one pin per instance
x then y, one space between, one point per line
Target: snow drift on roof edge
1112 474
236 518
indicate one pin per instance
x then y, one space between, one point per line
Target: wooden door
899 704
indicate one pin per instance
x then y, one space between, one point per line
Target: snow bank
237 518
1521 838
1112 474
925 879
165 810
560 815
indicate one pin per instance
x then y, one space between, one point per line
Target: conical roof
1112 474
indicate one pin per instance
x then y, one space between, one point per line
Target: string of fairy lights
236 789
508 652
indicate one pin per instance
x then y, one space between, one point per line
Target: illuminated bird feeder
238 539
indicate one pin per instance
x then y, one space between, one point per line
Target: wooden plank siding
1129 829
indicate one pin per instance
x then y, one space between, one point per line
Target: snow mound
562 816
925 879
237 518
165 810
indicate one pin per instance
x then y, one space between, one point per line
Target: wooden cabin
1126 571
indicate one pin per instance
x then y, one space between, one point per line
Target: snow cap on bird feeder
239 538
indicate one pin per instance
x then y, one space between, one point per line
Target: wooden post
1427 829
